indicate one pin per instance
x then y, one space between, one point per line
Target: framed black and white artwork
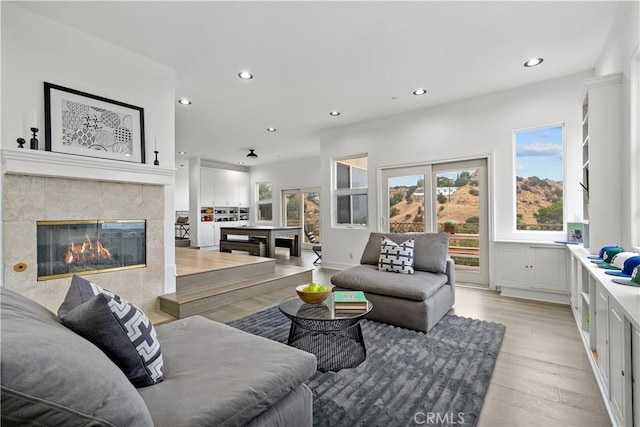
89 125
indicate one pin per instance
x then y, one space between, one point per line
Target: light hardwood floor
542 375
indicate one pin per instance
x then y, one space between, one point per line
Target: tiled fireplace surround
27 198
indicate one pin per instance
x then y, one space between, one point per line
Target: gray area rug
409 378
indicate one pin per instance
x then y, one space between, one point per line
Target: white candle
34 122
156 143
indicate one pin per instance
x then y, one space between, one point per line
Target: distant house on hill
445 191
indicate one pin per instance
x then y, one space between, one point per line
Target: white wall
474 127
182 185
618 56
36 49
299 173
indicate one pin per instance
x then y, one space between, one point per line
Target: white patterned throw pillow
397 258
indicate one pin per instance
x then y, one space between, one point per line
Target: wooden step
207 279
197 299
198 269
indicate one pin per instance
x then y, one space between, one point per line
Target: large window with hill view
539 178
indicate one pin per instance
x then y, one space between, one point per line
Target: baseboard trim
552 297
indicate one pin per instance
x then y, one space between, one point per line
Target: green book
349 297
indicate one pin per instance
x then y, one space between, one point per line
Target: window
301 208
539 176
292 208
351 191
265 207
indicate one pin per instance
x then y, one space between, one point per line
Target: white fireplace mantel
50 164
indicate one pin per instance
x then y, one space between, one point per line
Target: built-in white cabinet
229 187
635 370
217 198
207 178
611 337
602 335
620 337
220 187
238 187
535 271
206 234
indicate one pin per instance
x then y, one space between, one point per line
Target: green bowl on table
313 293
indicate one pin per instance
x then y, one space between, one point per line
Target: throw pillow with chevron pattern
120 329
397 258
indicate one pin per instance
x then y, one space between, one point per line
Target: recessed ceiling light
533 62
271 129
334 113
419 91
184 101
182 152
245 75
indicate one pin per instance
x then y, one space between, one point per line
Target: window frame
350 192
263 201
514 147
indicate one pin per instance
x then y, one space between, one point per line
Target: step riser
208 279
210 303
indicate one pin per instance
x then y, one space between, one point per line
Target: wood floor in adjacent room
542 376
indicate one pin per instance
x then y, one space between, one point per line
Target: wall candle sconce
34 139
156 162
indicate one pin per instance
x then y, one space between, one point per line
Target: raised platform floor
207 280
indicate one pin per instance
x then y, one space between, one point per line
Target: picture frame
89 125
574 232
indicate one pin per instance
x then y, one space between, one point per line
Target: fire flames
86 252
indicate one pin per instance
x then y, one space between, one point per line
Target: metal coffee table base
339 348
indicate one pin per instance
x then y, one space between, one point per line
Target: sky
539 153
410 180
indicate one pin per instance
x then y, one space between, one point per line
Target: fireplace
89 246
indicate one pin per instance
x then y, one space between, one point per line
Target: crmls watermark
437 418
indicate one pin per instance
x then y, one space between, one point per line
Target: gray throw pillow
120 329
54 377
396 258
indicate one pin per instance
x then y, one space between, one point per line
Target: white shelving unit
601 158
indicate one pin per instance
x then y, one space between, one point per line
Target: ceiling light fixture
251 153
182 152
419 91
334 113
241 163
271 129
245 75
533 62
184 101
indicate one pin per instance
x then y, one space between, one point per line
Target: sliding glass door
301 208
449 197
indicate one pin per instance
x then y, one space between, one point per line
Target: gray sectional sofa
415 301
214 375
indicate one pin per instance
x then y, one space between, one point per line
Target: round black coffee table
335 338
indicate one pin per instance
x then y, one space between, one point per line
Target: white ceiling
309 58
